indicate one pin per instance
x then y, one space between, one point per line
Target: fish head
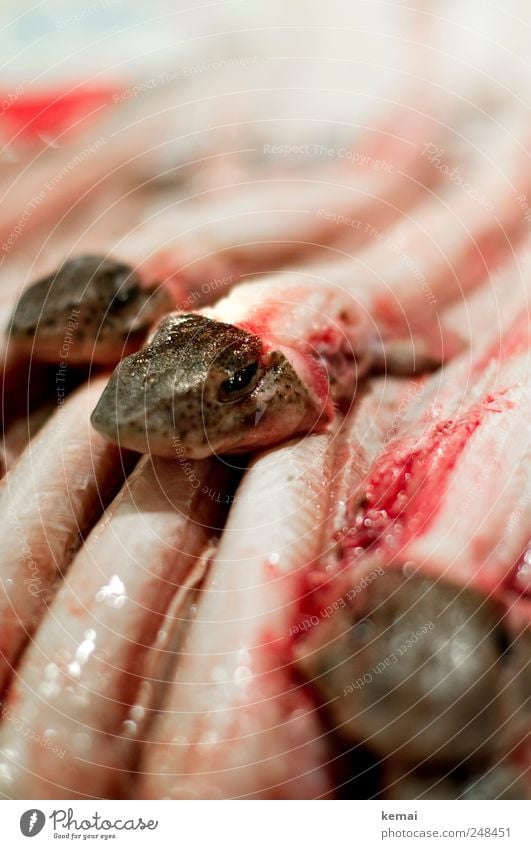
203 387
92 309
410 664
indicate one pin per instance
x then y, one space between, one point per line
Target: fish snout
137 407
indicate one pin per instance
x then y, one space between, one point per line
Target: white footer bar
266 825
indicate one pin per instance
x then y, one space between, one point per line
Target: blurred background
337 56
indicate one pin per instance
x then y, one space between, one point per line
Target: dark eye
125 296
241 383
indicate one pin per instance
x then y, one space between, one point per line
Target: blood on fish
328 337
272 644
398 500
260 323
408 481
272 568
315 369
320 384
387 313
515 341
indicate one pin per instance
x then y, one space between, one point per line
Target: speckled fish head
92 309
203 387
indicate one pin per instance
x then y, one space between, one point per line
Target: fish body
330 323
198 244
425 657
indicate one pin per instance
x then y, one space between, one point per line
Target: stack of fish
316 581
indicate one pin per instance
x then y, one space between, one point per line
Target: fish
110 144
275 357
48 500
18 435
79 684
233 722
195 247
111 211
423 662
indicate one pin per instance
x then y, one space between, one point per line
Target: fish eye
125 296
241 383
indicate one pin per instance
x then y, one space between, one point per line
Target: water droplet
137 713
51 733
83 652
113 593
242 675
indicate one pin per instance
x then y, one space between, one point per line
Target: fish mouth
414 668
126 412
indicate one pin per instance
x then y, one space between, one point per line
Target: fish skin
80 681
461 559
47 502
424 705
234 722
188 251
